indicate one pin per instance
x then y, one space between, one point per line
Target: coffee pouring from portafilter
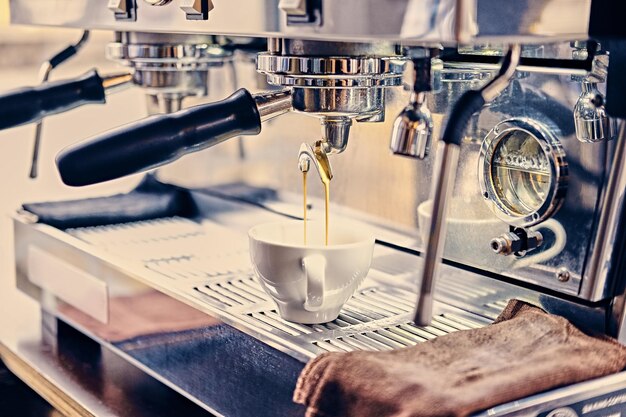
338 82
338 88
317 156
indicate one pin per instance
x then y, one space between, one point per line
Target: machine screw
563 275
157 2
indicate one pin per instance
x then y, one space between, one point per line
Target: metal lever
444 172
160 139
31 104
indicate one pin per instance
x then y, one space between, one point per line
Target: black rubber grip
31 104
158 140
63 56
468 104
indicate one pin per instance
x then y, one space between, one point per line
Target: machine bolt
506 244
500 245
563 275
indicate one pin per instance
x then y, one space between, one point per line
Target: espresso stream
325 178
304 203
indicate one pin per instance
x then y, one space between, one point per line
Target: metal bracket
196 9
123 9
302 12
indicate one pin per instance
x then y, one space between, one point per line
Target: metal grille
209 266
451 288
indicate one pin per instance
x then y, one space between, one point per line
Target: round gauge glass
520 173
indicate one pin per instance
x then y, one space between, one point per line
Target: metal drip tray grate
373 319
398 336
233 292
207 266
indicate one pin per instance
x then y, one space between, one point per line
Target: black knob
31 104
158 140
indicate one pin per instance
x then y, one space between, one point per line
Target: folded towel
150 200
525 351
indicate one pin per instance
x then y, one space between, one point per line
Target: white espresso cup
310 283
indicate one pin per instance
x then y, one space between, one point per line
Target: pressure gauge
522 172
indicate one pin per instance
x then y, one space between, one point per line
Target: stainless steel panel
72 285
365 172
604 256
413 21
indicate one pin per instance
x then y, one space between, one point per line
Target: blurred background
270 159
22 50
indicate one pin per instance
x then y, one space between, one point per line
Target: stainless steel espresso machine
483 141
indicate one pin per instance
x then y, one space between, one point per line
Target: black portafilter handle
31 104
158 140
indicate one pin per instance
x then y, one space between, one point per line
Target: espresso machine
482 141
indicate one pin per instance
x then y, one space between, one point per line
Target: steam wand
44 74
445 167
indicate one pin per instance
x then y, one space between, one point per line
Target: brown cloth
525 351
139 315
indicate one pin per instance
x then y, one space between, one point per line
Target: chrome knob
412 129
590 118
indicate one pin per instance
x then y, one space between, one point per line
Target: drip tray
206 265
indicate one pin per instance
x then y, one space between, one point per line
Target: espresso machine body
536 210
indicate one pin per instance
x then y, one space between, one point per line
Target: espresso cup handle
315 270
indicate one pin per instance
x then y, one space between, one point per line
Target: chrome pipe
445 172
272 104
